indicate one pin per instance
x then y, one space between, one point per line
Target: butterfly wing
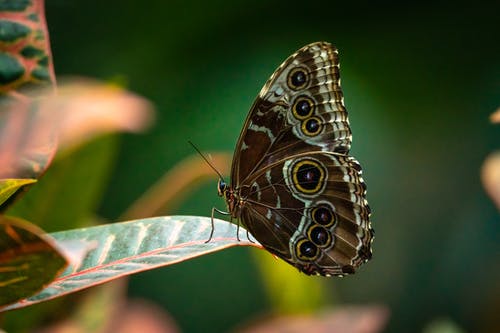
310 209
300 108
299 193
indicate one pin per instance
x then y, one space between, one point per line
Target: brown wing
311 210
299 109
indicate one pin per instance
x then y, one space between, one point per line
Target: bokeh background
420 80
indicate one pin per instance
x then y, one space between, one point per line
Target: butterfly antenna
206 160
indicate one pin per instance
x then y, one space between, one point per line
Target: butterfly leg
237 229
212 220
248 237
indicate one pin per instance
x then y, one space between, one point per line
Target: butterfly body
293 184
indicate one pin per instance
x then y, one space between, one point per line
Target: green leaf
279 278
28 260
10 186
119 249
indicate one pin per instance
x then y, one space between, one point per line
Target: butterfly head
221 187
230 196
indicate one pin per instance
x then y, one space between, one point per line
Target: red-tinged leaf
10 186
88 108
29 260
143 316
126 248
124 316
495 117
25 59
32 129
347 319
490 176
27 139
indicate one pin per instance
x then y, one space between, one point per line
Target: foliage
36 122
419 83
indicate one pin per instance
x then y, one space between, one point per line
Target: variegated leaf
121 249
29 260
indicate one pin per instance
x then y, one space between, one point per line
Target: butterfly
293 185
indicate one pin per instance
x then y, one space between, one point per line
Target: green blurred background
420 81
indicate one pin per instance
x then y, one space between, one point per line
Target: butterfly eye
306 250
319 236
221 188
323 215
303 107
297 78
312 126
308 176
